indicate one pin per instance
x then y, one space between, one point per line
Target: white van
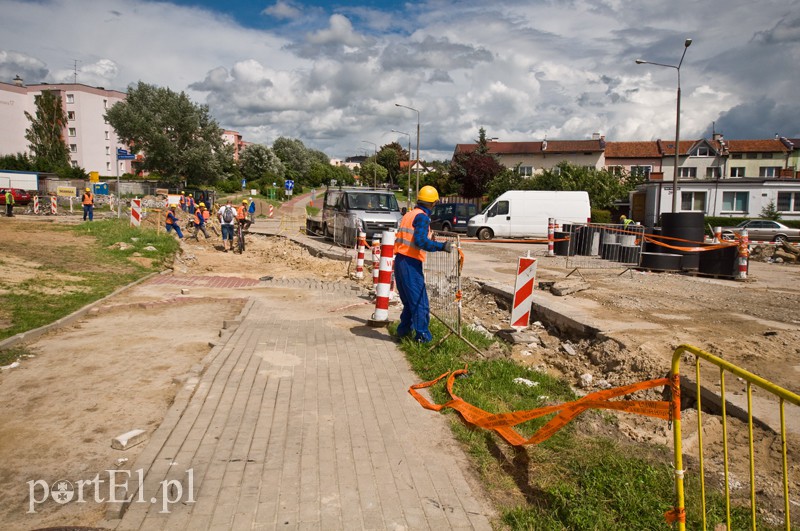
524 213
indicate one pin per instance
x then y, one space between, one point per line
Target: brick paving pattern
305 425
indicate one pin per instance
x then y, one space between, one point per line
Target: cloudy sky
330 73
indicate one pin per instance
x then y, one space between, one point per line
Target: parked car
452 217
21 197
762 229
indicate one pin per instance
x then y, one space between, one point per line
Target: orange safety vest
87 198
206 214
197 217
170 217
240 213
404 240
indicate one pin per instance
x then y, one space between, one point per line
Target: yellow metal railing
678 515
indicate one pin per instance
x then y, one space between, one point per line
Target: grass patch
570 481
79 274
10 355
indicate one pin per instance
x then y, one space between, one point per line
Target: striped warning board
36 204
53 205
136 212
523 292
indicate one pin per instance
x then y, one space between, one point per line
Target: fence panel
345 229
780 398
599 246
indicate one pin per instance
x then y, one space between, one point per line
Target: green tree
294 155
260 162
46 133
770 211
389 157
476 169
17 162
372 173
603 186
179 138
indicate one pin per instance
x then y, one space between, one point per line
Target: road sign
122 154
289 184
244 184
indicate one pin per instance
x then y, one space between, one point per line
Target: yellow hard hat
202 205
183 193
428 194
623 217
88 190
173 205
190 195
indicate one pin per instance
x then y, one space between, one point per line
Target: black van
452 217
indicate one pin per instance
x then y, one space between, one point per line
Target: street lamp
374 169
416 111
677 68
408 198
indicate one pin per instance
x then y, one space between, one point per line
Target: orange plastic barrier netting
502 423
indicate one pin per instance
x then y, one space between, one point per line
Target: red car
21 197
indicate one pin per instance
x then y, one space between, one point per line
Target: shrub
600 215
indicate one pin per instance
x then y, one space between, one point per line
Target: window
734 201
72 132
105 104
74 163
108 150
737 171
689 172
73 148
769 171
70 98
525 171
751 156
789 201
499 209
70 115
641 171
107 138
737 156
108 166
702 151
693 201
713 172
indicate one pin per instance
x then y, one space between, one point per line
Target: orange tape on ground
711 247
502 423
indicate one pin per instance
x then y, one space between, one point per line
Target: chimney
595 136
717 137
18 81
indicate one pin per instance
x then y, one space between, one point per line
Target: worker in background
410 246
182 201
200 222
190 204
88 204
172 221
625 221
209 219
251 211
9 203
241 215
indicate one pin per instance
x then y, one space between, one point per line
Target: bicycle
239 238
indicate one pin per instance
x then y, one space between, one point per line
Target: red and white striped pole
36 204
744 252
523 292
271 211
717 234
136 212
551 233
362 243
54 205
381 315
376 258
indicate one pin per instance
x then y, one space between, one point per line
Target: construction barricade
345 228
443 283
599 246
668 409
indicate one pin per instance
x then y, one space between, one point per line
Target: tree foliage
17 162
294 155
603 186
179 139
475 170
48 148
260 162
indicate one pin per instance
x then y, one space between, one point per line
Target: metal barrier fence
783 396
344 227
443 282
599 246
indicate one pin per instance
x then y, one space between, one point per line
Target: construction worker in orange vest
88 205
200 222
241 215
182 201
172 221
411 243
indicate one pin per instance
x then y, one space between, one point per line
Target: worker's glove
448 247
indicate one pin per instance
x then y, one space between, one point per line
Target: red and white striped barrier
362 243
136 212
54 205
36 204
744 252
523 293
551 233
381 315
717 235
376 258
271 211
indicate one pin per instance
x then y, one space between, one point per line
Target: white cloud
522 69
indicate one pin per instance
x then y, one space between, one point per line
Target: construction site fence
344 227
599 246
778 399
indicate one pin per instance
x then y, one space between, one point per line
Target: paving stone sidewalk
302 420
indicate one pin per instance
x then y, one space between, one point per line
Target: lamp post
374 169
677 68
408 197
416 111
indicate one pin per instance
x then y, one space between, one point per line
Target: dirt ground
123 364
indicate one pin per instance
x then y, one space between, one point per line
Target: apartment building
91 141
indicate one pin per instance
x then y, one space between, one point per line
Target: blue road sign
289 184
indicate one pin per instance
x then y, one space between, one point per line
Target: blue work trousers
88 212
171 226
415 316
